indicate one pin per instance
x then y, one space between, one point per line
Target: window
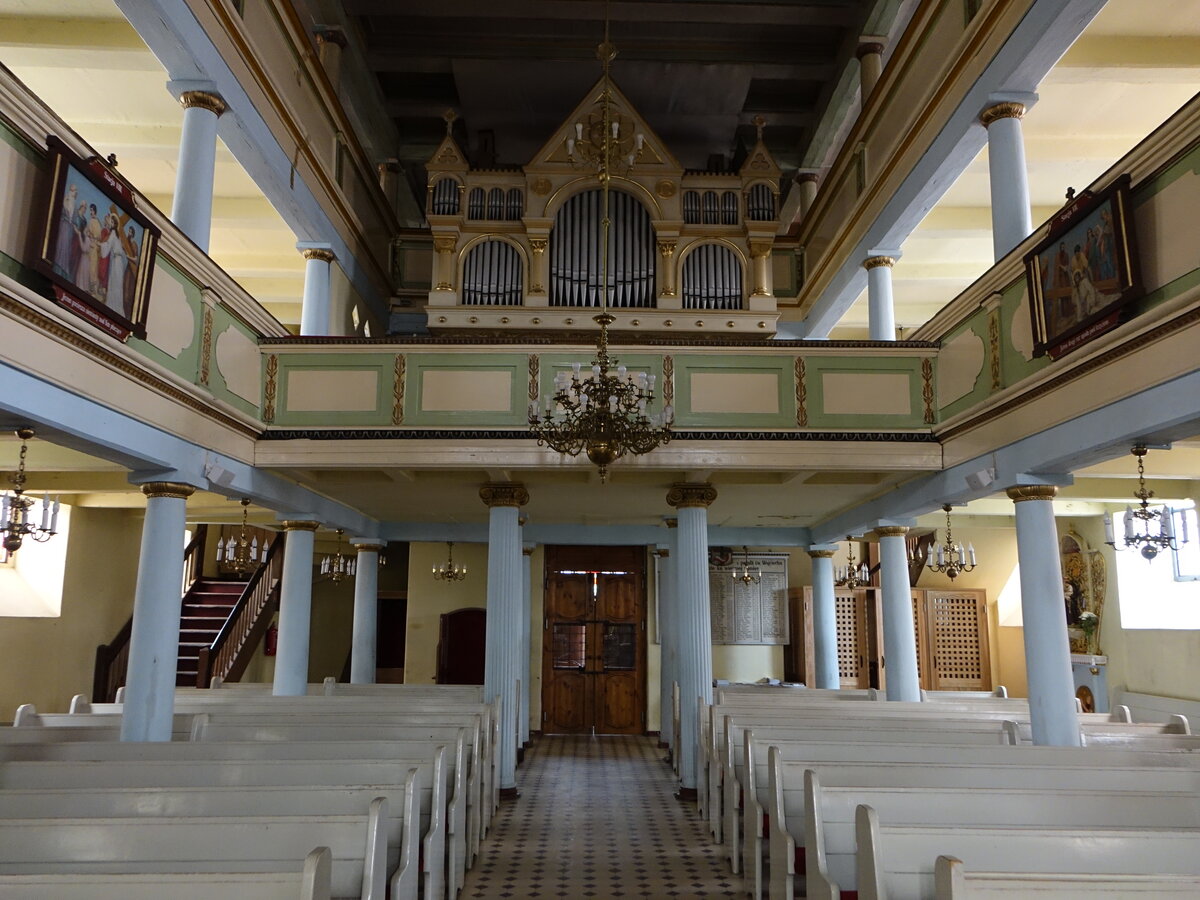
1187 557
1154 593
31 580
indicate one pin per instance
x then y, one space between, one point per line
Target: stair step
195 610
200 636
185 679
201 623
213 598
220 587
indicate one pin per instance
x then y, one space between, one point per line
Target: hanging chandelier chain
1139 520
15 524
949 558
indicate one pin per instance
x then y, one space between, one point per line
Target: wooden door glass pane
620 647
569 646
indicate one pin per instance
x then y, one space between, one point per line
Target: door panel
595 635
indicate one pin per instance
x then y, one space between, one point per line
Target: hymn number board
753 613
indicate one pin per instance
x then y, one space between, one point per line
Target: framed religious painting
97 249
1084 274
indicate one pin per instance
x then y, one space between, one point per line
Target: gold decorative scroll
270 389
994 348
398 391
801 394
206 346
927 389
668 381
534 372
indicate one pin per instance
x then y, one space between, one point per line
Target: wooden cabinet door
850 612
620 648
958 640
567 698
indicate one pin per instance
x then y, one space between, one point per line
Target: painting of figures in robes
1083 272
97 247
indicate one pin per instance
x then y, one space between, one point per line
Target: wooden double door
594 652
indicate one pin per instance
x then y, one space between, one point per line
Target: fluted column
666 253
1012 220
315 304
824 613
881 309
154 641
760 255
295 609
667 630
501 668
806 184
444 246
537 274
899 633
870 66
191 208
526 641
366 612
1047 649
693 624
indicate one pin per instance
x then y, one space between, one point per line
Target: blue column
899 633
316 302
502 643
1012 221
693 623
880 306
366 611
1047 648
154 642
667 631
191 208
295 609
824 614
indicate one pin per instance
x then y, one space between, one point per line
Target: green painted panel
23 275
169 279
977 325
785 269
1014 366
15 139
819 417
380 411
1170 290
780 369
226 330
1188 162
514 365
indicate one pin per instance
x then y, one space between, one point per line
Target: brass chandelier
449 571
603 413
1142 522
240 554
15 510
749 574
851 576
949 557
338 566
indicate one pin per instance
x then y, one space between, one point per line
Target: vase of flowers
1088 622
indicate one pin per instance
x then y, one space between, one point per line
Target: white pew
311 881
357 844
896 862
864 765
829 862
402 824
246 767
952 881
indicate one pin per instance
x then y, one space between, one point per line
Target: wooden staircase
206 607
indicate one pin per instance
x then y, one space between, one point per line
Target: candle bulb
1109 537
579 131
4 508
1129 523
639 141
971 552
570 146
54 517
1183 527
1168 526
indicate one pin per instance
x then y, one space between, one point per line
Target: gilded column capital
666 248
1032 492
761 249
329 35
672 522
445 244
299 525
685 495
320 253
874 262
802 177
202 100
527 551
1001 111
172 489
504 493
821 554
867 48
537 245
891 530
368 548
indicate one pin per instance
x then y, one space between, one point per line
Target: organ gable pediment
654 159
760 163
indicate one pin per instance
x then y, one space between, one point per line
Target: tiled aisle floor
596 818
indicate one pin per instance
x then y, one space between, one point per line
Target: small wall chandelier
949 557
851 576
748 574
449 571
337 565
1140 523
602 414
241 554
16 508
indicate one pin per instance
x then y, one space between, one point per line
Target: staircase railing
230 651
112 659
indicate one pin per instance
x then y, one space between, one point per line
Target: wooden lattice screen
850 638
958 635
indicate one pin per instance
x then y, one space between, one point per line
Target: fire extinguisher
271 641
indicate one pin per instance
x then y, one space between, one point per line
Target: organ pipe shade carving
691 207
492 275
514 205
729 208
760 205
712 208
712 278
476 203
495 204
575 252
445 197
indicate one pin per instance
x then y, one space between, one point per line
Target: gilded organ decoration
548 210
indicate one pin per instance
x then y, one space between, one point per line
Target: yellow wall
428 599
45 661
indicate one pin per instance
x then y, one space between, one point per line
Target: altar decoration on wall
1084 584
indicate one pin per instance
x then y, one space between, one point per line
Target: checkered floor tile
597 818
